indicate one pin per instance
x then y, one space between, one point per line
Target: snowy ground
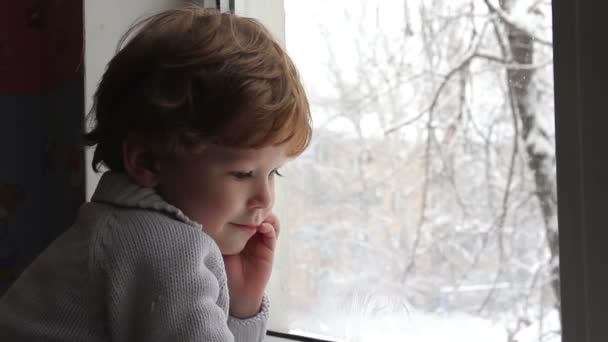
428 328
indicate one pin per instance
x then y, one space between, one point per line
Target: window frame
579 67
279 336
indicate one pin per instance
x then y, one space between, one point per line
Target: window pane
425 208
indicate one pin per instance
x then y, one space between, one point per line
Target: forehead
270 154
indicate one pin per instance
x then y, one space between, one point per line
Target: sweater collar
117 189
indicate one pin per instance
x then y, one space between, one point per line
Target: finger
269 235
265 228
271 218
277 228
274 221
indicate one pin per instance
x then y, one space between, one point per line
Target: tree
443 157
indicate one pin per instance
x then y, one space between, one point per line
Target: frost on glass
425 208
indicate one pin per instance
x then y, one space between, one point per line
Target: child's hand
249 272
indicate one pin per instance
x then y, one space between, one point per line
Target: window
427 199
580 71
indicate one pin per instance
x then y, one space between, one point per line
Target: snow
551 325
355 202
454 327
417 327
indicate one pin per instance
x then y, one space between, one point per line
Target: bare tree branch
506 18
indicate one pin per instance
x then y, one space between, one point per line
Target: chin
232 250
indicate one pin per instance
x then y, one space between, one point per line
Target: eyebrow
232 154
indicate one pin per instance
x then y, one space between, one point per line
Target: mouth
249 227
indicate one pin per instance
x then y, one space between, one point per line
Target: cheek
211 212
272 192
220 199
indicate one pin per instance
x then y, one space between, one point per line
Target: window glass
425 207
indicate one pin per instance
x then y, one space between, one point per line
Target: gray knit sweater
131 268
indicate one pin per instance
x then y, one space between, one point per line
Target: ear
140 162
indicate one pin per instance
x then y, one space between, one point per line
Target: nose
262 196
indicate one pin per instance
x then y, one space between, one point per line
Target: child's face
229 191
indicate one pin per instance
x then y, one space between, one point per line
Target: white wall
104 23
270 12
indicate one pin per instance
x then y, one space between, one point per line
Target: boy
193 116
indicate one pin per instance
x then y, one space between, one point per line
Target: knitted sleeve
251 329
163 282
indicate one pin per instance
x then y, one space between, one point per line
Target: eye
241 174
276 172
